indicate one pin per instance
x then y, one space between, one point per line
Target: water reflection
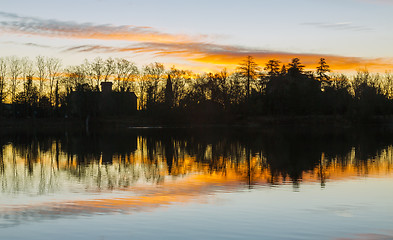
154 168
108 161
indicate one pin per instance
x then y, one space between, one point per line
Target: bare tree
179 79
3 74
27 72
152 75
53 67
15 72
41 73
75 78
388 84
235 88
109 68
125 73
86 65
29 96
97 70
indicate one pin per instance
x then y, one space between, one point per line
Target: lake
198 183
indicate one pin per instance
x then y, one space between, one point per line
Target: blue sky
203 35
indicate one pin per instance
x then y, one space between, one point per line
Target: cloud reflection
132 173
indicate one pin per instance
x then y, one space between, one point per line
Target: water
198 184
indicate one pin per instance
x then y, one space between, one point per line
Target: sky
202 35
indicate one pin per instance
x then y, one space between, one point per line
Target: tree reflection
41 164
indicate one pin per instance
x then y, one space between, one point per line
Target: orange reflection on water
27 170
193 187
196 186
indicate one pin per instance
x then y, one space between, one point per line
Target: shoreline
140 122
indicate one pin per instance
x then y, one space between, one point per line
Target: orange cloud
218 56
230 56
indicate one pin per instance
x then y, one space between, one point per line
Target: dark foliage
180 96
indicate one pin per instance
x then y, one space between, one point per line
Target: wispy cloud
348 26
225 55
29 44
13 23
196 49
90 48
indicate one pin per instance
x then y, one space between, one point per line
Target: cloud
194 49
13 23
29 44
230 56
348 26
90 48
36 45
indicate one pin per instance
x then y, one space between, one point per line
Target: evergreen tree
295 67
249 69
273 67
322 70
169 92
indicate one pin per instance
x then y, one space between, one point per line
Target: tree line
43 86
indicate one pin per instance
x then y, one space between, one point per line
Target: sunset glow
345 41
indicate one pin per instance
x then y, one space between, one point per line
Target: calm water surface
198 184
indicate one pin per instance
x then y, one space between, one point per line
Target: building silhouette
102 103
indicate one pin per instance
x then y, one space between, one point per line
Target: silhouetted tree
41 73
322 70
125 73
97 70
152 76
29 95
295 67
387 85
53 68
27 70
75 77
236 91
3 74
337 98
273 67
109 68
369 98
219 87
283 90
15 70
180 85
249 69
283 70
168 92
